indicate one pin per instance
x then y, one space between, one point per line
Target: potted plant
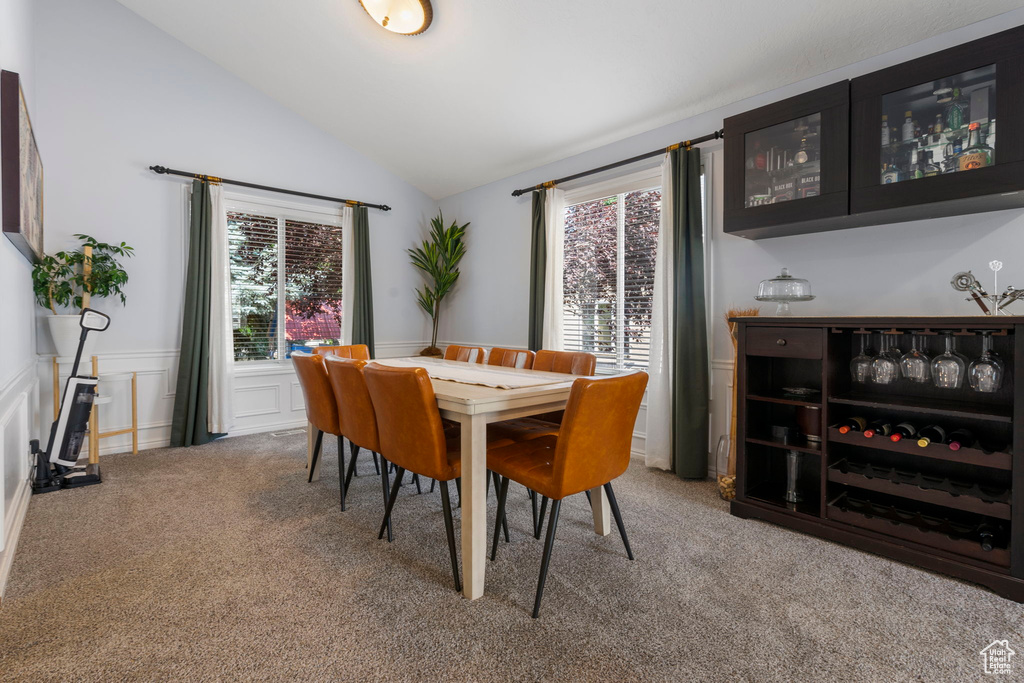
438 258
60 281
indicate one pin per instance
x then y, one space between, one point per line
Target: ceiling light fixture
404 17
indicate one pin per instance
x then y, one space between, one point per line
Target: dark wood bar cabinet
954 505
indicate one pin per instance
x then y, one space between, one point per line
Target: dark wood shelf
783 400
965 502
970 456
930 406
837 511
802 447
772 494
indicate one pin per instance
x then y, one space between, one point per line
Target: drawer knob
780 342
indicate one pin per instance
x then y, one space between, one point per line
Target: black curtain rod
607 167
351 202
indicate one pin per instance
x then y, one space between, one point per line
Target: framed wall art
21 170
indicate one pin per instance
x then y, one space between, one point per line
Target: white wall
888 269
116 95
18 395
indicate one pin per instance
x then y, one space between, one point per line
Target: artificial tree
438 258
61 279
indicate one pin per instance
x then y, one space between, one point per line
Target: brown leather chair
357 420
411 436
591 449
511 358
465 354
321 409
357 351
569 362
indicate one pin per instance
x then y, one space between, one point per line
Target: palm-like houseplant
438 258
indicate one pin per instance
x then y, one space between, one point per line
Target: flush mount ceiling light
405 17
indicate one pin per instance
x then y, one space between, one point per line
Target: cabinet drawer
784 342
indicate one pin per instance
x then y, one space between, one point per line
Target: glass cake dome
783 289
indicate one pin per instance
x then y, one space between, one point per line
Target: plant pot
65 331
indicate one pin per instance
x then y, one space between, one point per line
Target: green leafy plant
60 280
438 258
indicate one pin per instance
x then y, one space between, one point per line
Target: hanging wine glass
915 364
884 368
948 369
985 374
860 366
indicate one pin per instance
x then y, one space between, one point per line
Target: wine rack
959 511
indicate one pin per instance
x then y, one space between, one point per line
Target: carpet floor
222 563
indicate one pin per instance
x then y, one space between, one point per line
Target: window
610 248
286 282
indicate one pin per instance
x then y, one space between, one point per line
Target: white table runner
472 373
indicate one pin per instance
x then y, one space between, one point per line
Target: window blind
608 277
286 285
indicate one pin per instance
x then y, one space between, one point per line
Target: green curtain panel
189 421
362 313
690 355
538 257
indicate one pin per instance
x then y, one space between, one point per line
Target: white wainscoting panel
18 401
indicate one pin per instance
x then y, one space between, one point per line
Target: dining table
475 395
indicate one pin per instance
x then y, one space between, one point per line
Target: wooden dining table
473 405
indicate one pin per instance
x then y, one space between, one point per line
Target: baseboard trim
18 513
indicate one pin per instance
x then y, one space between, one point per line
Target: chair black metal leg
458 487
449 528
342 482
385 484
589 500
416 480
533 508
391 503
355 454
316 454
618 518
433 483
502 494
351 467
376 463
552 527
540 517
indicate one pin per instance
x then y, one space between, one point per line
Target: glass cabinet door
783 162
938 127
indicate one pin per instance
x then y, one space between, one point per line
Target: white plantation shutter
286 285
608 277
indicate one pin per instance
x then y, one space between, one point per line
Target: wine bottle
879 427
931 433
903 430
987 537
960 438
852 424
989 447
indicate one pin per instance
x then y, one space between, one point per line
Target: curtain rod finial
385 207
158 169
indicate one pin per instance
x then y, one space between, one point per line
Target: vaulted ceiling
495 87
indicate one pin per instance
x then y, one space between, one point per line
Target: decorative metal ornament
991 304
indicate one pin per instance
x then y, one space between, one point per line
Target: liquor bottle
908 127
937 126
977 154
917 164
931 433
885 130
903 430
930 167
878 427
956 112
890 174
802 156
961 438
852 424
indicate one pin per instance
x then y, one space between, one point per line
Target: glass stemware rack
899 436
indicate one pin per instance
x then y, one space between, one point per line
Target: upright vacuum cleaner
57 467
